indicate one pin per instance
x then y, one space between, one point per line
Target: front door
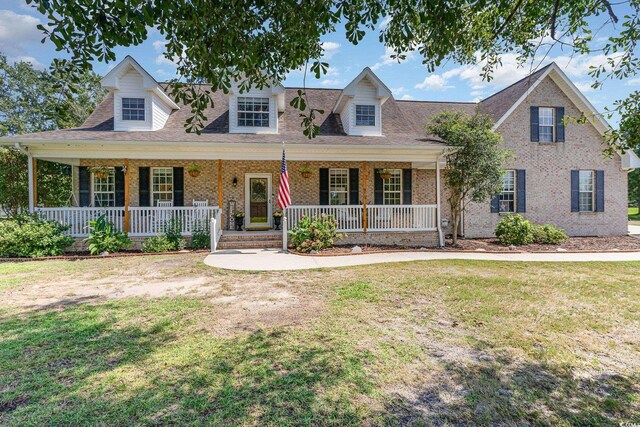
258 200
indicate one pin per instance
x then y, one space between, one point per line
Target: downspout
438 213
31 172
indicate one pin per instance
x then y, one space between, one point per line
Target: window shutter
119 185
535 123
85 186
378 186
354 185
324 186
575 191
521 188
178 186
144 193
560 124
406 186
495 204
599 191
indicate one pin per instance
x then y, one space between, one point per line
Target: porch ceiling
213 151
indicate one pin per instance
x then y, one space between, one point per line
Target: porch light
445 222
235 181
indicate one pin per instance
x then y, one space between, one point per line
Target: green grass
634 215
444 343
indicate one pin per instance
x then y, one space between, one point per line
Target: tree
260 41
473 171
32 100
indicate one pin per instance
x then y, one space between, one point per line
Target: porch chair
200 203
200 215
164 203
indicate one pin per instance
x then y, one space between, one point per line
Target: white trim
247 199
347 191
152 192
384 191
382 91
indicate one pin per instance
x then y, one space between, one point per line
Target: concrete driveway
634 229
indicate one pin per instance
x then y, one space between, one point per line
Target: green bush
514 230
200 237
158 244
105 237
548 234
314 234
26 236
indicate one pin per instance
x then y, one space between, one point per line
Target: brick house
372 166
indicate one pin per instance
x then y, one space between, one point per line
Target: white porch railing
215 228
78 218
379 217
349 217
151 221
402 218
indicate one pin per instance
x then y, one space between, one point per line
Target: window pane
133 109
547 123
253 112
507 198
162 185
365 115
586 187
392 188
104 194
338 186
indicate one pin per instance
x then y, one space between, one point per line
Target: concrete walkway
274 260
634 229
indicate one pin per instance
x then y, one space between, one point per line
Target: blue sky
20 40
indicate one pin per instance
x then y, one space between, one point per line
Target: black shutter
119 184
599 191
560 124
178 186
495 204
521 188
406 186
378 186
354 186
324 186
535 123
85 186
575 191
144 193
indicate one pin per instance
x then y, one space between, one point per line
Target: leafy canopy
259 41
473 170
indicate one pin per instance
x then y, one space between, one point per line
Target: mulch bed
573 244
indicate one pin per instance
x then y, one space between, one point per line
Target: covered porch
344 182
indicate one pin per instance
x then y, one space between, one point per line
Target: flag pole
285 232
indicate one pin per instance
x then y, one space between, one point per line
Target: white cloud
159 46
584 86
18 32
477 93
397 91
386 59
330 82
633 82
406 97
434 82
22 58
330 49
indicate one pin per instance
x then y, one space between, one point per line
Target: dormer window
365 115
133 109
253 112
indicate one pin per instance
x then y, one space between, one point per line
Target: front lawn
167 340
634 215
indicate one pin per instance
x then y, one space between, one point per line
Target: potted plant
101 172
385 174
277 219
305 171
194 170
239 218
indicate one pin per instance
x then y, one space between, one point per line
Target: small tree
473 170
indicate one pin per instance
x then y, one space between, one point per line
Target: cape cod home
372 166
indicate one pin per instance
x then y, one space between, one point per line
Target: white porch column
31 173
438 215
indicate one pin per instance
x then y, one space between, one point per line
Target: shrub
105 237
314 234
157 244
30 237
548 234
200 237
514 230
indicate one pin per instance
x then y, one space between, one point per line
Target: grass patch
634 214
442 343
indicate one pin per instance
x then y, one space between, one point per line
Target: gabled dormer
256 110
139 102
360 105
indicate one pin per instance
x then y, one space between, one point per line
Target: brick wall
548 167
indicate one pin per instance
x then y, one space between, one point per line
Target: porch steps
250 240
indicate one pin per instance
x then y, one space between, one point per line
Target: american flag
284 194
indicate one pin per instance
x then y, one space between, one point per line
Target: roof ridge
528 76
